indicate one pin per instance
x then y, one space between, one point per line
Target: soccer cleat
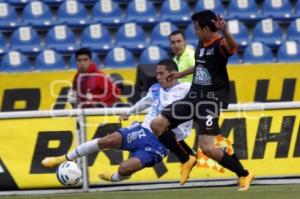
106 176
245 182
186 169
53 161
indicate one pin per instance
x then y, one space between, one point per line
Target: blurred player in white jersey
159 96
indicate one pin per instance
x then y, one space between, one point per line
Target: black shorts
204 111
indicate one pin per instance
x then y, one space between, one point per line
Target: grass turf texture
255 192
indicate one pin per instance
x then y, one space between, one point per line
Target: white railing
118 111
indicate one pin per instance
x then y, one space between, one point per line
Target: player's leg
126 169
225 145
174 114
227 161
208 129
113 140
145 150
160 126
186 147
221 143
181 132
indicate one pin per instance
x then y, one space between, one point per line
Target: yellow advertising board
267 142
265 82
25 142
48 90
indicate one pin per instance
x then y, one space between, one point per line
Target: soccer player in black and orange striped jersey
209 93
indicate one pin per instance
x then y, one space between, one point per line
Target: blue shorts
143 145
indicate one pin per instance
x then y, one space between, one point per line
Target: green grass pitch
256 192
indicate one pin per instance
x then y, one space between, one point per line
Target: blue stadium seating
297 13
3 45
14 61
88 2
38 15
19 3
245 10
72 13
240 33
48 59
234 59
214 5
132 37
160 34
152 55
26 40
119 57
123 1
73 64
9 19
53 2
258 52
142 12
108 13
289 52
97 38
62 39
269 32
190 35
278 9
176 11
293 32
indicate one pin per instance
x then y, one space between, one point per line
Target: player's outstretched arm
138 107
221 25
177 75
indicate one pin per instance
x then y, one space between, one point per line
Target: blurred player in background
91 87
208 94
159 96
183 54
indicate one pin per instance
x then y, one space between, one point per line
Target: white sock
116 177
84 149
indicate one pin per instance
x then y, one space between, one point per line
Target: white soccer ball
69 174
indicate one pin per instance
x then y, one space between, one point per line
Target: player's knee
159 125
154 127
207 149
125 170
109 141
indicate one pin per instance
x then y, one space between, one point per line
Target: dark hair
204 18
83 51
170 64
176 32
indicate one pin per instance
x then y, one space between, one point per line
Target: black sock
238 161
186 147
169 140
233 165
